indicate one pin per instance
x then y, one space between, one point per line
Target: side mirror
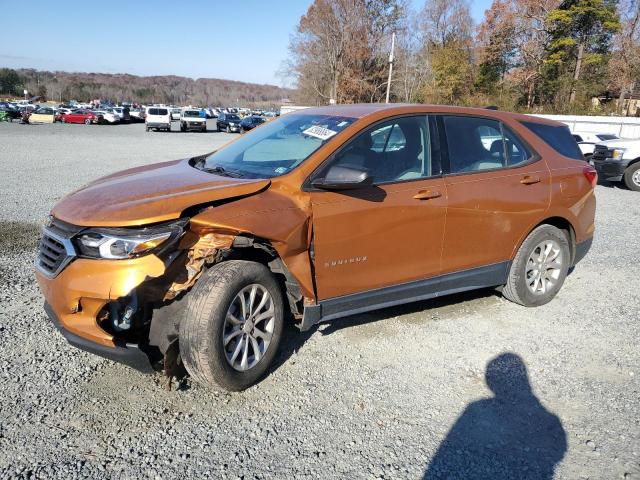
344 178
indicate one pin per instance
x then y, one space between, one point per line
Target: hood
619 143
149 194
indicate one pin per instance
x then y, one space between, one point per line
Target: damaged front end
103 285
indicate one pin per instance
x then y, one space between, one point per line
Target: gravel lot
371 396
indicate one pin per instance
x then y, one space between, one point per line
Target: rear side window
474 144
607 136
557 137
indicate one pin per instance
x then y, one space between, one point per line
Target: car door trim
464 280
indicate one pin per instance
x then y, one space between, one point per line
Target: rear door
496 187
391 232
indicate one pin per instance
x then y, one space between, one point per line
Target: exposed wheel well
261 251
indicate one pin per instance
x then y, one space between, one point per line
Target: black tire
218 127
629 173
228 129
183 128
516 289
204 129
147 128
87 122
201 329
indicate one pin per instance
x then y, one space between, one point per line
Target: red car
82 116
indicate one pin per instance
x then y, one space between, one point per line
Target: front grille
56 250
601 152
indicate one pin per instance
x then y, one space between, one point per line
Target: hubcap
544 267
248 327
635 178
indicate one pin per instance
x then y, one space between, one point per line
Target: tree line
527 55
83 87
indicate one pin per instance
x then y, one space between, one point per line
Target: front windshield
277 147
191 113
233 118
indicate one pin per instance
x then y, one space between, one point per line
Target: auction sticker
319 132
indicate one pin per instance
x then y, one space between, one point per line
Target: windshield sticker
281 170
319 132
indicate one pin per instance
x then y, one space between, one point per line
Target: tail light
591 175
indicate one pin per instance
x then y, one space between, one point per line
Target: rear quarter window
557 137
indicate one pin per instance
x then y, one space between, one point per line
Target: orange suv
317 215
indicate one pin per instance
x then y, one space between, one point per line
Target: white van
158 118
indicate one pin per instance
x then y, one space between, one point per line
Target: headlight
121 243
232 124
617 153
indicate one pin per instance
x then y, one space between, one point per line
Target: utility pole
393 43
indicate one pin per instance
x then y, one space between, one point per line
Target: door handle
529 180
427 194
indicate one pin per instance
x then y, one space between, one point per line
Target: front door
388 233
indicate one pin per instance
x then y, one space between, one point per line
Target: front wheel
632 177
87 122
228 129
233 325
539 268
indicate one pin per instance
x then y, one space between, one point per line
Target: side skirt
472 279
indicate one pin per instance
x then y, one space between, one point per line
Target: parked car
82 116
158 118
199 262
123 113
248 123
10 112
42 114
191 119
618 161
230 122
137 115
175 113
587 141
108 116
60 111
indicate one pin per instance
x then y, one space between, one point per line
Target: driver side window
391 151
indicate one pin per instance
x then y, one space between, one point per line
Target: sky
242 40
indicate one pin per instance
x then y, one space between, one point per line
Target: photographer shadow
510 435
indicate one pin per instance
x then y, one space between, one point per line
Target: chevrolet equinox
320 214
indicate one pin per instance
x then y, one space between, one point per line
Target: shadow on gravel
510 435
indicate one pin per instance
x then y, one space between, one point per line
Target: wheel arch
559 222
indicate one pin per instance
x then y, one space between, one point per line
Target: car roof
365 109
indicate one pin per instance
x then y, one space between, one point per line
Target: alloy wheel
248 327
635 178
544 267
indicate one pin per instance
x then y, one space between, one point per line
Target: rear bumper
158 125
582 249
610 169
128 354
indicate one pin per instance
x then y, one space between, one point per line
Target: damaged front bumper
75 299
130 354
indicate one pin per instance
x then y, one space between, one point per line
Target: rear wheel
87 121
233 325
632 177
539 268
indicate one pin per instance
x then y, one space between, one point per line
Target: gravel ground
398 393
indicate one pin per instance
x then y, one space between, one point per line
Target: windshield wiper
222 171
